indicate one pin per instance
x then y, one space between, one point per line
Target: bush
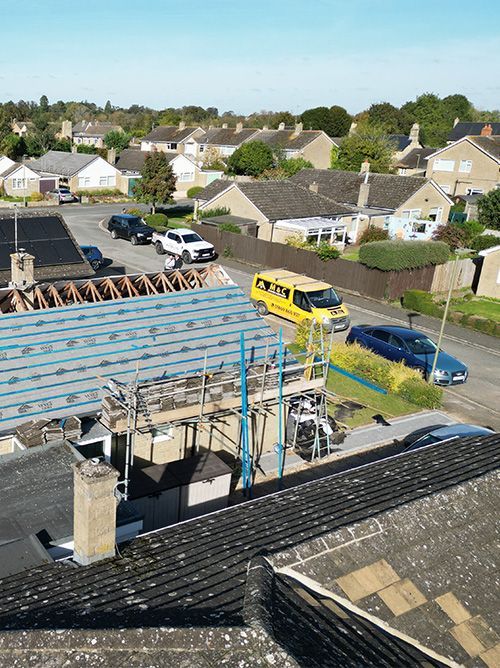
418 300
135 212
36 197
104 192
417 391
229 227
472 230
485 241
373 233
156 220
326 252
192 192
452 234
400 255
218 211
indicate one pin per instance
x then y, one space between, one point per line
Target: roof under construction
56 360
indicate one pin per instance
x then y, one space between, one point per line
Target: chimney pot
182 125
313 187
487 130
224 126
94 513
239 127
298 128
281 126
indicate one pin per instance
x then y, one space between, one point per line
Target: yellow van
297 298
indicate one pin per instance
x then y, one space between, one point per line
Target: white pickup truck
184 242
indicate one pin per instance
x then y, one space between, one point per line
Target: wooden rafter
42 302
111 289
55 295
18 299
148 285
126 283
181 281
90 289
164 281
72 290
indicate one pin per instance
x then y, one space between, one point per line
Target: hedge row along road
477 401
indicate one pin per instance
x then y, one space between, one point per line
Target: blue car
93 256
401 344
440 433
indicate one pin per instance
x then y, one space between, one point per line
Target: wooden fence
339 273
464 275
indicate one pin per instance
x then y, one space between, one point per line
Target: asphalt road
478 401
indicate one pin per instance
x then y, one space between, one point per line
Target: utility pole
430 379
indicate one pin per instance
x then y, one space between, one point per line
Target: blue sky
249 56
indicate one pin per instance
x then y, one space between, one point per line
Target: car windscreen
191 238
323 298
422 346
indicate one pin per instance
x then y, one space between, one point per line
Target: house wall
98 175
484 174
426 199
32 184
89 141
239 205
318 152
489 281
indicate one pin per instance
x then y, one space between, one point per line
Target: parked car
401 344
127 226
63 195
93 256
184 242
440 433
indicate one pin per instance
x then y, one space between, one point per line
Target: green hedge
418 300
229 227
157 220
192 192
418 392
399 255
485 241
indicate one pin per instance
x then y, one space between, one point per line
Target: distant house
469 166
466 128
188 173
224 141
414 163
168 138
21 180
279 209
405 144
88 133
79 171
313 145
408 206
21 128
489 280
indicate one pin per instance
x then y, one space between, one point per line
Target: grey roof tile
288 139
416 158
169 133
227 136
62 163
464 128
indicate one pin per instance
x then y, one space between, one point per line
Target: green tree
386 116
489 210
367 143
457 106
39 141
87 148
251 159
282 117
117 140
12 146
44 103
294 165
335 121
108 107
157 184
340 121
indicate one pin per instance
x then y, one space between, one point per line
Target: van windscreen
327 298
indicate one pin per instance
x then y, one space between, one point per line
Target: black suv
126 226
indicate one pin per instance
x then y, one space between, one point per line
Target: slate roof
131 160
94 128
51 358
387 191
416 158
169 133
400 141
490 145
287 139
62 163
195 574
213 189
462 129
227 136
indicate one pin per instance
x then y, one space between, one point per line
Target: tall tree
367 143
340 121
12 146
157 184
335 121
489 210
108 107
117 140
386 116
44 103
251 159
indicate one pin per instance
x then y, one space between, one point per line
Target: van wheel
159 248
114 234
262 308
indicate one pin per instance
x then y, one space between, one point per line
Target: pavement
477 401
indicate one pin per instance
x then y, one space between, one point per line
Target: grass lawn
486 308
352 255
178 222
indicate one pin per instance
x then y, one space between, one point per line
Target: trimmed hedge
399 255
418 392
192 192
229 227
418 300
485 241
157 220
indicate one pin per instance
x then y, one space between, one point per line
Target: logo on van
273 288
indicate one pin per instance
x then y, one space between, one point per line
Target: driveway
477 401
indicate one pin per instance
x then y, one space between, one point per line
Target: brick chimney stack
239 127
414 133
281 126
182 125
111 156
364 188
67 130
313 187
22 268
298 128
352 129
224 126
487 131
94 513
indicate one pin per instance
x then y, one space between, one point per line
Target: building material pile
38 432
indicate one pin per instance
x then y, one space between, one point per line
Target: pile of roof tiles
38 432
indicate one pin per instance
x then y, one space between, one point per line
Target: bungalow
468 166
79 171
171 138
188 173
89 133
279 209
313 145
408 206
224 141
21 180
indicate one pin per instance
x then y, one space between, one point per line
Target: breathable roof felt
54 362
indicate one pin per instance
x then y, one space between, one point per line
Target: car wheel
159 248
186 257
114 234
422 372
262 308
133 240
95 264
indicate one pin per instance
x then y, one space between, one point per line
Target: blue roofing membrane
52 362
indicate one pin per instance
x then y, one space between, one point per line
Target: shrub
104 192
229 227
156 220
326 252
452 234
192 192
373 233
400 255
218 211
417 391
36 197
472 230
418 300
485 241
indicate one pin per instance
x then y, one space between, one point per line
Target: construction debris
38 432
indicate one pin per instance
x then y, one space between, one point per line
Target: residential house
168 138
313 145
88 133
21 128
404 144
188 172
79 171
414 163
362 568
469 166
489 280
279 209
467 128
21 180
410 207
222 141
5 164
50 251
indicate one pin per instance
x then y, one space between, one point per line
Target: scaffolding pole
280 408
245 450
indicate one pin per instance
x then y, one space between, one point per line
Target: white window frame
411 214
446 189
438 211
402 171
465 166
474 191
442 165
185 177
18 184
